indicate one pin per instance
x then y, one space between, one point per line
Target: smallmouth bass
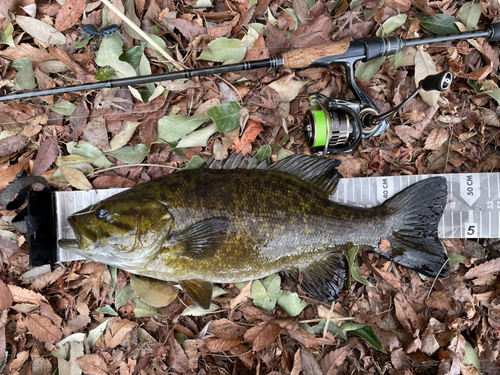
204 226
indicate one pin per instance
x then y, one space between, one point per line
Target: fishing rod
340 125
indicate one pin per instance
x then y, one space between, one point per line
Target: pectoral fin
324 279
199 291
202 240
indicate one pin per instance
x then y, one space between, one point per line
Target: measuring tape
473 209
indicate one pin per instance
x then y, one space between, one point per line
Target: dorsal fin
236 161
320 173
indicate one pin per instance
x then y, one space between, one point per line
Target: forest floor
85 316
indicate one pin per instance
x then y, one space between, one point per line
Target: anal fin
199 291
324 279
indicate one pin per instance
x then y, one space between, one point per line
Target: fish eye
101 213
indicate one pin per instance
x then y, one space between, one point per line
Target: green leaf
470 357
439 24
353 266
217 292
107 310
291 303
195 163
80 43
195 310
397 59
366 332
132 55
455 259
84 148
122 296
142 309
25 77
174 127
106 73
223 49
265 294
320 327
366 70
96 333
154 292
63 107
203 4
6 35
355 4
180 337
162 44
109 54
198 138
264 153
391 24
113 271
226 116
130 154
470 13
283 153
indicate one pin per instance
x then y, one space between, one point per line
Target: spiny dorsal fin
324 279
199 291
236 161
320 173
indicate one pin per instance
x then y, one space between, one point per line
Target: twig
142 33
328 319
435 279
317 320
131 165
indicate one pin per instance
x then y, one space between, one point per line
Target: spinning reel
339 125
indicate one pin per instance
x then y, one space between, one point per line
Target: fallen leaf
309 364
262 335
22 295
119 330
483 269
12 144
42 328
69 14
92 364
76 178
220 345
96 133
156 293
6 298
317 33
46 155
225 329
435 139
189 30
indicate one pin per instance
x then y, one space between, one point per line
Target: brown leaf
8 173
92 364
259 51
42 328
97 133
36 55
119 331
317 33
297 363
220 345
306 339
407 133
46 155
193 350
12 144
22 295
309 364
244 354
276 40
333 362
16 364
262 335
177 359
440 300
405 313
400 5
483 269
7 247
189 30
436 139
6 298
69 14
225 329
240 298
108 182
78 121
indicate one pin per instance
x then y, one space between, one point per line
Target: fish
204 226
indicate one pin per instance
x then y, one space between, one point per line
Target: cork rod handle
303 57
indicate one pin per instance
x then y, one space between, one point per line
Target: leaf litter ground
99 320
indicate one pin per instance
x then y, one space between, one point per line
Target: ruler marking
481 224
461 226
489 225
489 190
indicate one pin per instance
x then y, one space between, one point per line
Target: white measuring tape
473 209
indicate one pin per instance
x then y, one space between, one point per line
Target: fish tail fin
413 241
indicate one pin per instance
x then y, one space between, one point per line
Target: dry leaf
484 269
69 14
309 364
405 313
6 298
42 328
46 155
92 364
22 295
76 178
119 331
242 297
225 329
96 133
262 335
12 144
436 139
220 345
